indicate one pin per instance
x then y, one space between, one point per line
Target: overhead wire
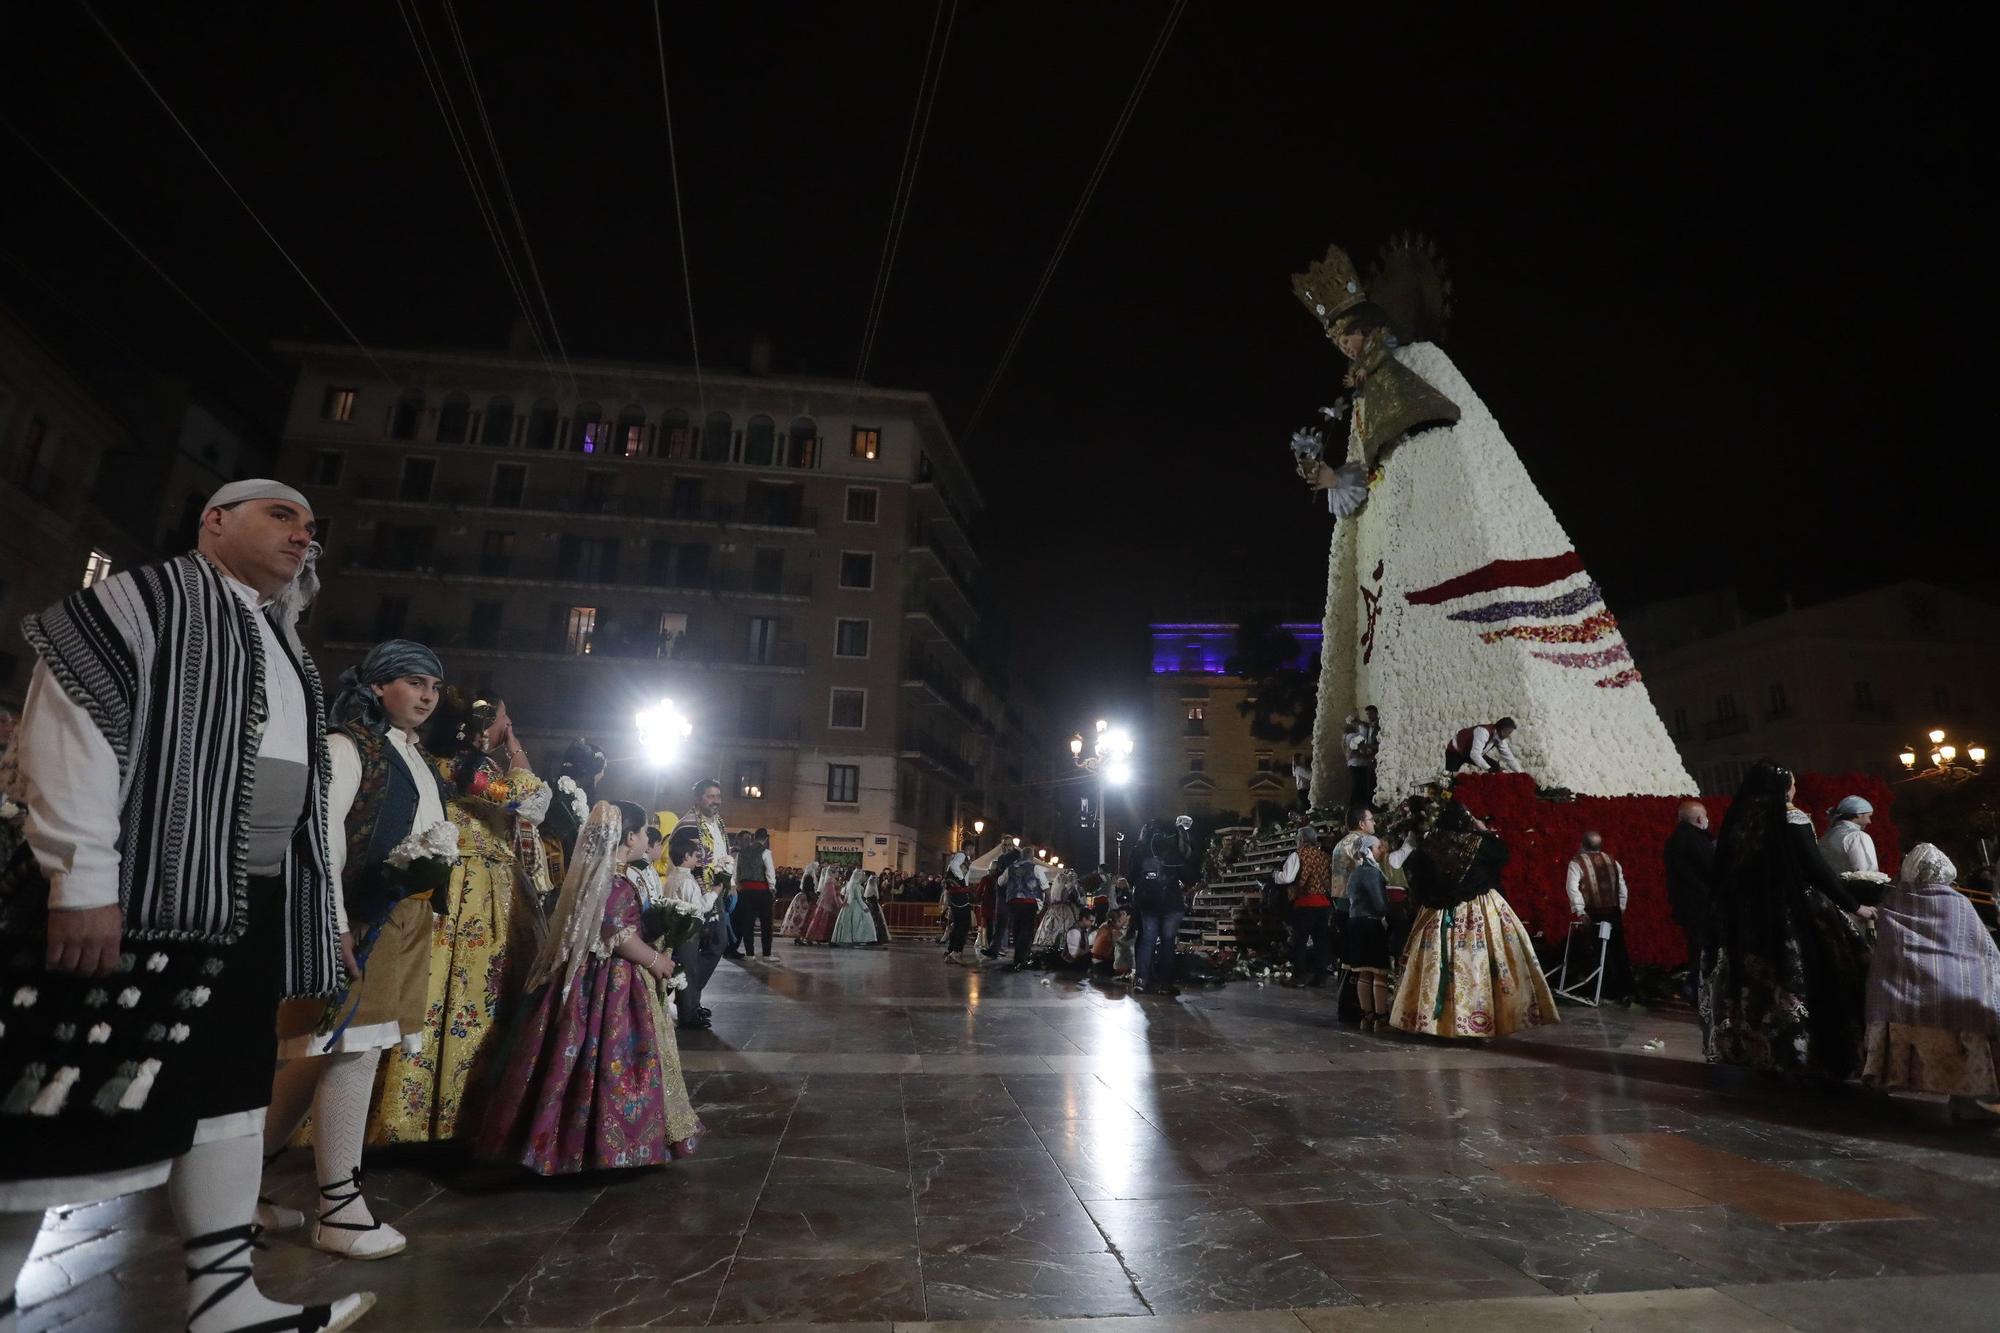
507 189
461 144
906 181
680 223
237 194
1076 216
135 248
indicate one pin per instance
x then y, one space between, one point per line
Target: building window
767 570
391 613
455 419
750 779
484 629
1864 697
760 441
805 443
497 427
867 443
1780 705
587 559
1682 727
338 405
496 553
763 641
676 435
753 713
691 565
581 628
1197 720
684 501
862 503
597 488
510 483
408 415
542 422
96 568
673 628
1725 707
1263 761
632 432
418 474
843 784
1197 762
850 638
849 710
327 465
717 439
857 570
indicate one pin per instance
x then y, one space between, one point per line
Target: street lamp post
1110 758
662 729
1945 766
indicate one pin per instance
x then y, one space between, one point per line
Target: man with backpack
1158 891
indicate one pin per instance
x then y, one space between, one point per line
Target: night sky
1720 285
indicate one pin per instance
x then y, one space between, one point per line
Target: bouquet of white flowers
668 925
423 861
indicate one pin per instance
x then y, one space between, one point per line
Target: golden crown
1330 288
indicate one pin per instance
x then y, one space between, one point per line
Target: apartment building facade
789 560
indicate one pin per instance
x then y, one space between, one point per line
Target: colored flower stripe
1584 631
1498 574
1567 604
1619 681
1603 658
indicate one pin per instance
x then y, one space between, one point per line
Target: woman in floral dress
1470 967
488 928
819 929
799 911
855 925
593 1081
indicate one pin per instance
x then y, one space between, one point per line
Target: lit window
635 441
867 443
861 504
96 569
582 625
843 784
338 405
750 779
850 710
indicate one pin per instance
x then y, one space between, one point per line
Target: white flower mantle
1451 501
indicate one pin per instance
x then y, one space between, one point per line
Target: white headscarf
1850 806
576 930
1927 865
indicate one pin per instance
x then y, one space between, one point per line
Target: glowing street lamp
1110 759
1944 761
662 730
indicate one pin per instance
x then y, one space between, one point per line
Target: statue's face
1350 343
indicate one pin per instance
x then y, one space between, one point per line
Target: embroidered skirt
104 1079
1470 971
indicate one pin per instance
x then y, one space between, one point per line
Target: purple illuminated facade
1202 649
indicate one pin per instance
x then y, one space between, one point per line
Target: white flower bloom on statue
25 997
178 1033
96 998
156 963
128 998
98 1034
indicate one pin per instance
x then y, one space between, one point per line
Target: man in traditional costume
1485 748
1690 865
716 874
385 790
1846 844
1361 740
957 905
1595 886
173 754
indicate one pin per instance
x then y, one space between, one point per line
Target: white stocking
213 1189
340 1121
17 1241
291 1093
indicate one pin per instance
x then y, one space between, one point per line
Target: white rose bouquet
423 861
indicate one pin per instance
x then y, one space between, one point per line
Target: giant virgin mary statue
1454 597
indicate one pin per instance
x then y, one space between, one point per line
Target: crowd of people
242 911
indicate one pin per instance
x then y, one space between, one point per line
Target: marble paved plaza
893 1142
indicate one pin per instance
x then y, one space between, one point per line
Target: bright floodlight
1118 772
1117 743
662 728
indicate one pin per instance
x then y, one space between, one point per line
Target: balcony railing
728 582
920 668
930 610
661 508
935 750
923 540
1725 726
607 642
